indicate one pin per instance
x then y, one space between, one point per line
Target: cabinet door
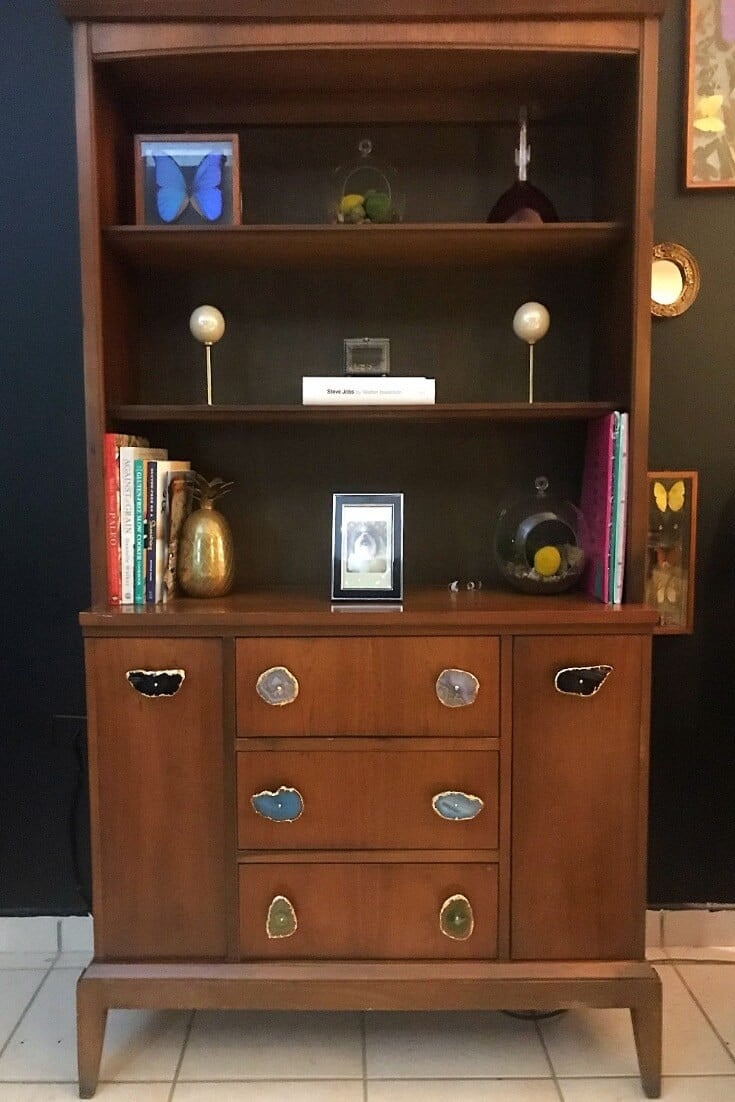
157 798
576 868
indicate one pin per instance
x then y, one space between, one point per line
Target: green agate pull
456 919
281 920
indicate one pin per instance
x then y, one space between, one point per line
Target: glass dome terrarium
540 542
365 191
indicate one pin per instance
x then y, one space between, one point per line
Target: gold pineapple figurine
206 563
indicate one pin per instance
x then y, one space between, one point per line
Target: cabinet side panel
576 777
157 801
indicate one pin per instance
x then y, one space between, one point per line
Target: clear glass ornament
365 192
540 542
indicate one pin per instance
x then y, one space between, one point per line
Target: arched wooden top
355 10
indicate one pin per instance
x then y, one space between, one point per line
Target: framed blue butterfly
175 190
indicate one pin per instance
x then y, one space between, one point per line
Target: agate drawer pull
456 919
457 688
281 919
582 681
457 806
284 805
155 683
277 686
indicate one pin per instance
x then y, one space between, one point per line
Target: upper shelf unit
233 78
440 245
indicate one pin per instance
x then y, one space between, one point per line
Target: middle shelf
274 414
407 244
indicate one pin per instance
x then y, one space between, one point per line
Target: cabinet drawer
367 799
367 686
369 911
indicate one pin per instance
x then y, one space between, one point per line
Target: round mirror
675 280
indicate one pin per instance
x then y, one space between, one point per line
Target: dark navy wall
42 491
43 568
692 853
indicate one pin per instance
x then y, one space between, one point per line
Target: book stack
147 498
375 390
604 505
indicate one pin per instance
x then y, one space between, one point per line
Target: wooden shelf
280 611
405 245
509 411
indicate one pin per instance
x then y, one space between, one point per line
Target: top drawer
368 686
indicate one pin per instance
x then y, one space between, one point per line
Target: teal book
139 531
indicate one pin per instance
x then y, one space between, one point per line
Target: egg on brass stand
206 562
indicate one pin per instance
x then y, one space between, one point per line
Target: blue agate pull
282 806
457 805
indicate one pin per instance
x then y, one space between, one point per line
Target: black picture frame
367 547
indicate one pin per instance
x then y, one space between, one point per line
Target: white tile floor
581 1056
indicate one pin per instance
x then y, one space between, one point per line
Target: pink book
596 503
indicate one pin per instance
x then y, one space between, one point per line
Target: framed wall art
367 547
710 106
187 180
670 557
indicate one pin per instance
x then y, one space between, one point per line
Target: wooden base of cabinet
379 986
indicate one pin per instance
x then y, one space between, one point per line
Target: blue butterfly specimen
176 191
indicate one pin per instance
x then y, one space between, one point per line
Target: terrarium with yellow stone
540 542
365 192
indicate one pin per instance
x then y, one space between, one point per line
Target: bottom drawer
367 911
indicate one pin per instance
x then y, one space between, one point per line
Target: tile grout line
552 1069
709 1021
179 1062
28 1005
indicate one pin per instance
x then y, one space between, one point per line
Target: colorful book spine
128 456
596 502
113 444
621 510
139 530
151 520
112 519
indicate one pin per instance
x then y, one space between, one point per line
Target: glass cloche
365 191
540 542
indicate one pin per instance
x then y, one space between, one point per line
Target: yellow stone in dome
349 202
547 561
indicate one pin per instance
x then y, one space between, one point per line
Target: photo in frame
367 547
187 180
710 106
670 555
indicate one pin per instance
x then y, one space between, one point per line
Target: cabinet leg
91 1021
647 1018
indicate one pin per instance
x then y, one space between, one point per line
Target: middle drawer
346 799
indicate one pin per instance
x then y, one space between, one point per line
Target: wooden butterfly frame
671 549
710 104
187 180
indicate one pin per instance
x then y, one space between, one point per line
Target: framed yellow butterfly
672 497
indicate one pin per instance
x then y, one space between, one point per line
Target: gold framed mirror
675 280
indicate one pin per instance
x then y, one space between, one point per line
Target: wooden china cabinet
538 902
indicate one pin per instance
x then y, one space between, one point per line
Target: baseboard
46 934
665 929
